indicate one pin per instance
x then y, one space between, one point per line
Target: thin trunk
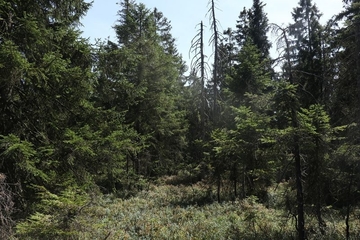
324 80
218 187
136 164
198 63
127 166
321 222
244 182
317 169
357 37
203 100
299 188
235 180
347 221
348 208
216 58
296 151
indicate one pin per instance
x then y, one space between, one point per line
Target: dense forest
123 140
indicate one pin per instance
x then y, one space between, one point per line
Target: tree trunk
244 182
216 59
299 189
203 100
347 221
296 151
317 170
235 180
357 37
348 208
218 187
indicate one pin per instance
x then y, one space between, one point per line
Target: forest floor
168 211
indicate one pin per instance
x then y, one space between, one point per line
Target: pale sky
186 14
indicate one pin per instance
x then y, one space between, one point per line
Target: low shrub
174 212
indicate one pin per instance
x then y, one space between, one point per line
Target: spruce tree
45 82
253 25
306 32
145 59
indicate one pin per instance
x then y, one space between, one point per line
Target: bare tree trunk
198 63
202 62
215 41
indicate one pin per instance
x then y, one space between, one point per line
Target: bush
55 216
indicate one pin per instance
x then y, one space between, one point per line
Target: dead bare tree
198 64
215 40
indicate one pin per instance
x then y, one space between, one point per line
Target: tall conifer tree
45 82
152 69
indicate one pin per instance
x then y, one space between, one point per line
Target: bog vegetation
122 140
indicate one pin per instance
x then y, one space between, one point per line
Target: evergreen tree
242 27
146 66
346 109
347 93
308 130
258 28
251 37
244 69
45 83
250 75
253 24
287 107
163 28
308 68
244 153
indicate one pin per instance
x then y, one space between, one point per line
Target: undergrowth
178 212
